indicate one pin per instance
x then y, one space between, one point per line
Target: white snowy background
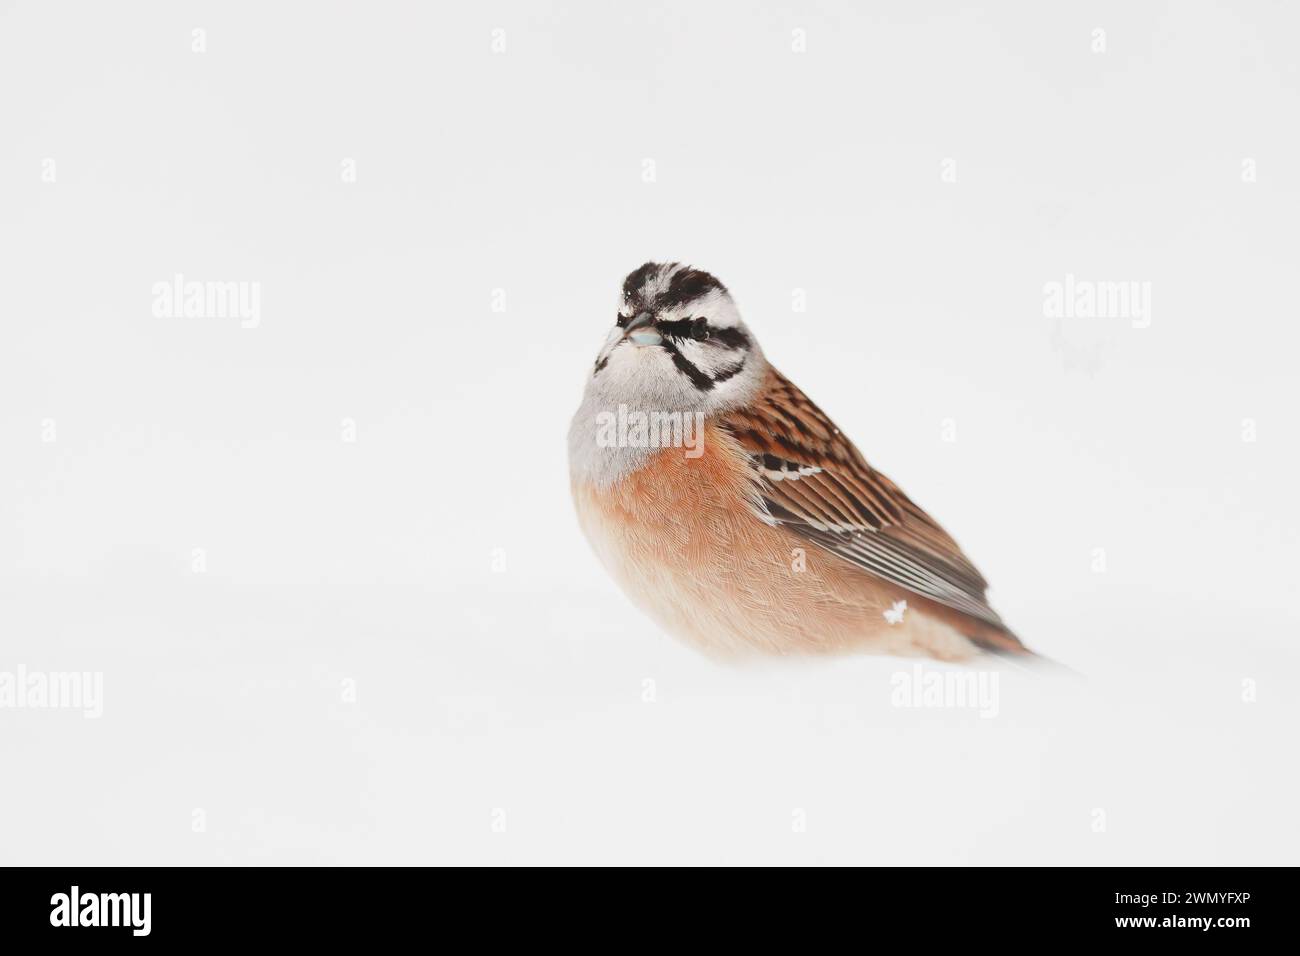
399 649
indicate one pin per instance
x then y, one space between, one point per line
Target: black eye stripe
689 328
681 329
732 338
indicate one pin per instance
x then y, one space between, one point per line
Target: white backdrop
324 558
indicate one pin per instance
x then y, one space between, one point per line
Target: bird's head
678 343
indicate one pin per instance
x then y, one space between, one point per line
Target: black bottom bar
334 906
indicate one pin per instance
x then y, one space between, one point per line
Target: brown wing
813 481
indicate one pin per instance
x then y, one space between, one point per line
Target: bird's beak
641 330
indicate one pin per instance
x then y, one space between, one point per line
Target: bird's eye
622 321
700 329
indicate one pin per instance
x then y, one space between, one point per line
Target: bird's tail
1002 643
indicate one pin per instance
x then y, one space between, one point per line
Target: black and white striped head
677 343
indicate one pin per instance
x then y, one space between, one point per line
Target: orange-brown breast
680 537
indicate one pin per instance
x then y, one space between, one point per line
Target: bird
736 514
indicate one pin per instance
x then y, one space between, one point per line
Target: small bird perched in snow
736 514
